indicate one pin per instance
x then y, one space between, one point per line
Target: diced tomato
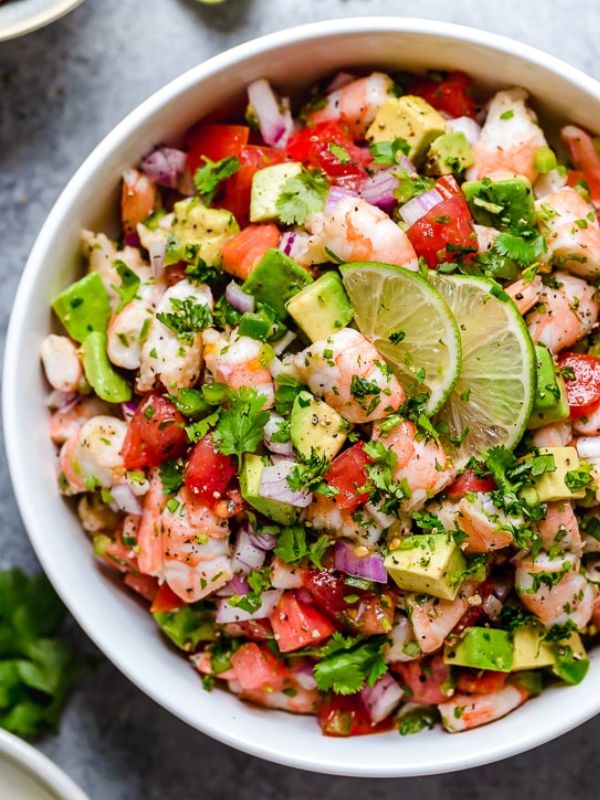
155 434
470 482
255 629
208 472
244 251
297 624
165 600
347 473
139 199
446 231
237 188
347 716
426 678
585 158
453 94
256 667
475 615
144 585
230 505
214 141
328 589
373 614
480 681
583 389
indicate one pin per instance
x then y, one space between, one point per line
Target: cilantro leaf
347 671
208 177
339 152
291 545
198 430
310 475
171 475
187 318
387 152
302 195
129 284
240 427
519 249
317 550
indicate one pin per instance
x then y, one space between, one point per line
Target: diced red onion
227 613
466 125
237 585
407 165
247 556
336 193
274 486
378 189
503 586
382 698
399 637
420 205
63 401
282 344
165 166
286 243
157 249
274 116
264 541
128 409
341 79
282 448
369 567
132 240
492 606
125 500
238 298
304 675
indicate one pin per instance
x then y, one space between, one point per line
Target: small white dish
26 774
18 17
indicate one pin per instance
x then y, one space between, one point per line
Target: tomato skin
347 473
454 94
425 678
165 600
328 590
237 188
445 232
244 251
583 391
208 472
474 681
255 629
214 141
311 146
154 436
144 585
256 667
470 482
585 158
347 716
297 624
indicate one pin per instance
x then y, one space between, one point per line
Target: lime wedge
493 396
410 324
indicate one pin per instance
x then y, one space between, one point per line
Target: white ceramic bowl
18 17
118 625
26 774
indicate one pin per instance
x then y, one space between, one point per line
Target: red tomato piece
214 141
470 482
480 681
244 251
445 232
373 614
208 472
255 629
347 716
585 158
144 585
426 678
256 667
583 389
297 624
347 473
328 590
155 434
237 188
165 600
139 198
454 94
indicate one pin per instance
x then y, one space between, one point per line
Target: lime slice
410 324
494 394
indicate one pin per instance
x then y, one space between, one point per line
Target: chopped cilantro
339 152
418 719
209 176
302 195
240 427
387 152
129 284
346 667
171 475
187 318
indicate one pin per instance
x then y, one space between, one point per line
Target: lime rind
388 299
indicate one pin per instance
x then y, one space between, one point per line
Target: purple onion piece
419 206
264 541
274 115
281 448
304 675
274 485
132 240
247 556
382 698
238 298
286 243
63 401
370 567
336 193
165 165
378 189
226 612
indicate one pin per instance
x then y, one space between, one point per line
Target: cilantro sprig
130 283
208 177
187 318
349 664
302 195
240 427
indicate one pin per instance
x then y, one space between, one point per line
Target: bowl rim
313 33
38 19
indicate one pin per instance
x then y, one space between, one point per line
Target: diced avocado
428 564
550 403
100 373
450 152
83 307
551 485
199 232
315 426
322 308
532 651
256 325
410 118
280 512
275 279
481 648
266 188
500 204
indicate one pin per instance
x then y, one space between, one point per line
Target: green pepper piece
83 307
255 325
101 375
186 627
191 403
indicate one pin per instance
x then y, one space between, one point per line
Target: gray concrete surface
61 90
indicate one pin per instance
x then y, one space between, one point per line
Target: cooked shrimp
525 293
553 590
487 527
127 328
285 576
65 422
350 374
560 528
466 711
509 139
238 361
568 312
62 364
354 230
572 232
175 362
92 457
356 103
149 533
486 236
297 700
323 514
585 157
421 462
95 515
102 254
549 183
557 434
139 199
432 619
589 425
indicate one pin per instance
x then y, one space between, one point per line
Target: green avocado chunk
267 184
100 374
427 564
83 307
450 152
550 403
276 510
481 648
500 204
552 485
411 118
198 233
275 279
316 427
322 308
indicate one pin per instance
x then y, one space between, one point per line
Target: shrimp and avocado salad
331 403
